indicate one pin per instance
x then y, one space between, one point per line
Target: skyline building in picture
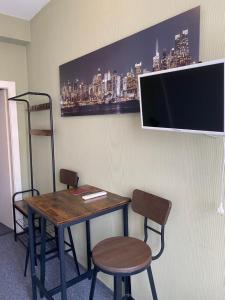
111 87
177 56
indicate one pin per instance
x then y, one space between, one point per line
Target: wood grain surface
122 255
63 206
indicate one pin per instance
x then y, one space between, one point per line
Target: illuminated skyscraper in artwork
182 48
178 56
164 63
138 69
156 58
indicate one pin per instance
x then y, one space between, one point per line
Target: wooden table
64 209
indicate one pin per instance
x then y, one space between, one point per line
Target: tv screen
189 98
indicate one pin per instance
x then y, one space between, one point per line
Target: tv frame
177 69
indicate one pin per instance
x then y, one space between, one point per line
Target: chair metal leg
73 250
94 277
117 287
14 223
152 284
26 261
127 282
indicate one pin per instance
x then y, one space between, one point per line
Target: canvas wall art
106 81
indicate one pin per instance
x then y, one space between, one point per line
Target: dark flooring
4 229
14 286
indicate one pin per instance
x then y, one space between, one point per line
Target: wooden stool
126 256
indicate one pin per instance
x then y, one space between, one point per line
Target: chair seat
22 206
122 255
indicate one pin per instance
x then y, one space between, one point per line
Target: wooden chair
126 256
21 207
70 179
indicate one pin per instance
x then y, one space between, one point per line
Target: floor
4 229
14 286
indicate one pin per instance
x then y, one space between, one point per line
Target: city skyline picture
106 81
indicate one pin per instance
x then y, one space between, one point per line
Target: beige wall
13 67
14 29
113 152
14 36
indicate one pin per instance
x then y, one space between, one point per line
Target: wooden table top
68 206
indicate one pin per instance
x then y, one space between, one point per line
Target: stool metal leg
26 260
127 282
152 284
94 277
73 250
117 287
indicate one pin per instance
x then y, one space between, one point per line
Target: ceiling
23 9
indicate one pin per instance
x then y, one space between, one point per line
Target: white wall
5 165
114 153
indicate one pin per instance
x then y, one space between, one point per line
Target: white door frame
12 140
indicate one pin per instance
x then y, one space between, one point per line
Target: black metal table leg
88 238
32 252
62 262
43 251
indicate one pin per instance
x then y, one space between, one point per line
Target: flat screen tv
187 99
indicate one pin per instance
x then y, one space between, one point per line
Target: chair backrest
150 206
68 177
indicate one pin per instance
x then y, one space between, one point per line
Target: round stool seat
123 255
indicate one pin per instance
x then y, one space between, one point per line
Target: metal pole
29 136
31 249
